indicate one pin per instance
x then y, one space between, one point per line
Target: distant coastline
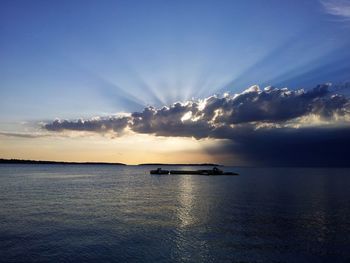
20 161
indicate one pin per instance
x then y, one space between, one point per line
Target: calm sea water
63 213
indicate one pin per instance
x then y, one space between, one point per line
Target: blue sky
83 58
87 81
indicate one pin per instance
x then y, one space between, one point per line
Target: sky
176 81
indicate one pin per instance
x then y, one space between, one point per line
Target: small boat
159 171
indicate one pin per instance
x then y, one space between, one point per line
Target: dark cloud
271 104
271 126
168 121
309 146
116 124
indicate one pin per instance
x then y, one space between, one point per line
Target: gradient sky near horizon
81 59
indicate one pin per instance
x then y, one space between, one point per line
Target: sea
107 213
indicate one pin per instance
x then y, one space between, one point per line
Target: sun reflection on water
186 201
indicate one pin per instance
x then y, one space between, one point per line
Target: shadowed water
73 213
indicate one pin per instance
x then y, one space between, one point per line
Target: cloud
269 125
223 117
302 147
115 124
339 8
23 135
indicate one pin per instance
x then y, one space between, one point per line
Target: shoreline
20 161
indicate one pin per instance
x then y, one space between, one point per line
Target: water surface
90 213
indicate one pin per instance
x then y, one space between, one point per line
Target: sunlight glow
187 116
130 149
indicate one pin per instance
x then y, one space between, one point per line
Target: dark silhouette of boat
159 171
214 171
